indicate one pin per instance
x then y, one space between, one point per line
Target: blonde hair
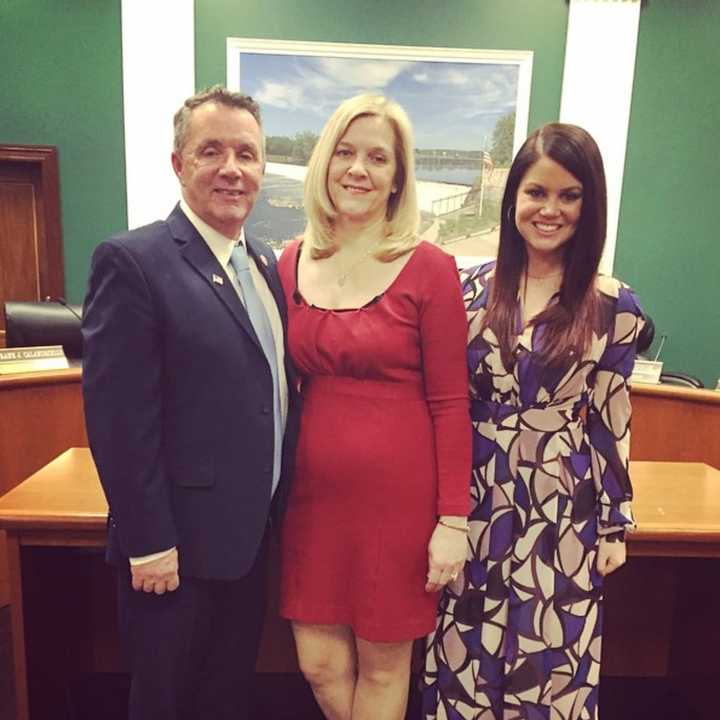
401 221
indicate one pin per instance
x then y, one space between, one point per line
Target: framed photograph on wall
469 110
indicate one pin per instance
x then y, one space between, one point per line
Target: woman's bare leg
328 660
383 680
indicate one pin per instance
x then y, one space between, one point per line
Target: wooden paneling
675 424
19 278
31 252
41 415
640 601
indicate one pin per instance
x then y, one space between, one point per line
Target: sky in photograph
452 105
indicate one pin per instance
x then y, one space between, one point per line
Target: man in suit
187 395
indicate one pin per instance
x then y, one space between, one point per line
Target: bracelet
453 527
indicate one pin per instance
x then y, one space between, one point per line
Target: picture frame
469 109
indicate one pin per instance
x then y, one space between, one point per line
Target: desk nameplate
32 359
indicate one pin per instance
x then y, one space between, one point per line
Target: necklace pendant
342 278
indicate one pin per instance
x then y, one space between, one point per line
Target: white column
158 50
597 88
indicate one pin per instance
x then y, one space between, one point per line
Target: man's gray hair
217 94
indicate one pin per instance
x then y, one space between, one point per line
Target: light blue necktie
261 324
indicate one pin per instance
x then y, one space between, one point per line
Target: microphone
663 338
62 301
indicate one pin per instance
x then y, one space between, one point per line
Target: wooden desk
63 506
677 508
41 415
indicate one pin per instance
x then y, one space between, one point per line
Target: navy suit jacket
178 400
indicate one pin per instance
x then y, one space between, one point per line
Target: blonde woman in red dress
377 515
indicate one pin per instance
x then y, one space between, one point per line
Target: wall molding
598 78
158 49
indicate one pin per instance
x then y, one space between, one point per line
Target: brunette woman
551 346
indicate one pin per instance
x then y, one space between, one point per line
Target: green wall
664 228
61 83
668 247
538 25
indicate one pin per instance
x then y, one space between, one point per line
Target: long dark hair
568 323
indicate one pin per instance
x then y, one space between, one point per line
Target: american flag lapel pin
217 279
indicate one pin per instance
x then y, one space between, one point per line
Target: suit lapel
199 256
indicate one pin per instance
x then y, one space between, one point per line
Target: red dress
384 448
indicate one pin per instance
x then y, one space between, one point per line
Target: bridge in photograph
429 193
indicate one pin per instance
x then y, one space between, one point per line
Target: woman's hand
447 552
610 556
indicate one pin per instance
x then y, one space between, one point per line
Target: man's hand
610 556
157 576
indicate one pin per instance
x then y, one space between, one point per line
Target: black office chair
52 322
681 379
646 335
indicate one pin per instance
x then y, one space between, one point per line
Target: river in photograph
278 216
453 175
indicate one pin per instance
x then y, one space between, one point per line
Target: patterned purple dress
519 632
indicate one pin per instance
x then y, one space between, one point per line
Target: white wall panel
597 88
158 47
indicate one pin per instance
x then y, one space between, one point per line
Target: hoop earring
510 214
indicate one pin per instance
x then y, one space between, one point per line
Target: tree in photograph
303 144
279 145
502 140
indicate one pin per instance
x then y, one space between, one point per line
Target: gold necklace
342 278
545 277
